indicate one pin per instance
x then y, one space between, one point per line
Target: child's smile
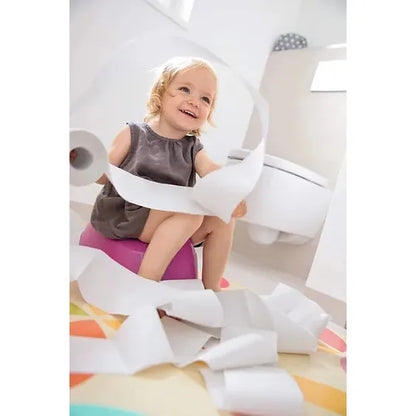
189 113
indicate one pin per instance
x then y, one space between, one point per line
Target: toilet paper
252 327
91 159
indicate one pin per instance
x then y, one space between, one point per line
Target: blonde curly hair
166 73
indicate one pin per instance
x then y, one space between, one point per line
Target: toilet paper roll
91 157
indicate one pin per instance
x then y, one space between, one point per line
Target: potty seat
129 253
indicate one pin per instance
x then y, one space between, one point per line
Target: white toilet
288 204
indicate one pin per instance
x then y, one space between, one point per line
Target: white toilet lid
284 165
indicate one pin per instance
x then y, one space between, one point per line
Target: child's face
187 102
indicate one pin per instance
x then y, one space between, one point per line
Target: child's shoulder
136 124
138 129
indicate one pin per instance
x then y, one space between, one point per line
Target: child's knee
193 221
198 221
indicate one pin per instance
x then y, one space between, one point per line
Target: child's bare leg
166 232
218 237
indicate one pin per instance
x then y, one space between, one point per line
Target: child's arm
203 166
118 150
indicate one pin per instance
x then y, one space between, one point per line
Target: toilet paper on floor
284 321
241 347
237 347
257 390
298 320
117 290
139 343
252 330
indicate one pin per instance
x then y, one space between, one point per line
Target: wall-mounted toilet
288 204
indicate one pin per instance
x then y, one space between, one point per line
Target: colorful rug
167 390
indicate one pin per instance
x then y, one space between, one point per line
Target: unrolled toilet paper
250 325
218 193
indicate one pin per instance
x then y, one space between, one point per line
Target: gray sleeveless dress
152 157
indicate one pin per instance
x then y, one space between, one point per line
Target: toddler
165 148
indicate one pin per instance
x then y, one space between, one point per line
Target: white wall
328 271
306 128
322 22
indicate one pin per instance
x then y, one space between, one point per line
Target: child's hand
240 210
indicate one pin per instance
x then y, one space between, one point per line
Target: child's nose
193 102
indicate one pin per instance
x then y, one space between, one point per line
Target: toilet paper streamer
218 193
296 320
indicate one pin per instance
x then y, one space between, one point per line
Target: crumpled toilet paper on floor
272 391
229 331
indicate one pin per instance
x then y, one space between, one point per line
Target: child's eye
207 100
184 89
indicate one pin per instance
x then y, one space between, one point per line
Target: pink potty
129 253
